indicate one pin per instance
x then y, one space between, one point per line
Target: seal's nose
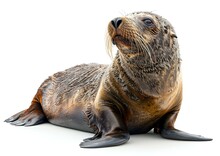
116 22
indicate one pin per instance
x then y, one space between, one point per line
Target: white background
39 38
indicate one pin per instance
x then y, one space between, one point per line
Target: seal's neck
149 76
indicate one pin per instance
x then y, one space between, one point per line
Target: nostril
116 22
113 23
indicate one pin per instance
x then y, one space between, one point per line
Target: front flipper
180 135
106 141
166 129
109 127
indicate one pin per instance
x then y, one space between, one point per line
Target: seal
140 90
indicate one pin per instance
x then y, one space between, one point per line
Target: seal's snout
116 22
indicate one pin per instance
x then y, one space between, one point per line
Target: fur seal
140 90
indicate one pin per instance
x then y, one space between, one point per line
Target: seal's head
141 32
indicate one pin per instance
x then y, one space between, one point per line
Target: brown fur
140 90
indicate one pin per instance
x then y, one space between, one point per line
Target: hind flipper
27 118
14 117
166 129
32 116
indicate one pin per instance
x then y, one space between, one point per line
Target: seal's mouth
118 39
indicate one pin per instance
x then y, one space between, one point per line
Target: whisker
108 46
123 13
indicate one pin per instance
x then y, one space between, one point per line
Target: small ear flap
173 35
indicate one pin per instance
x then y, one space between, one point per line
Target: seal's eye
148 22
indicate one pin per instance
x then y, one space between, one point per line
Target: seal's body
140 90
